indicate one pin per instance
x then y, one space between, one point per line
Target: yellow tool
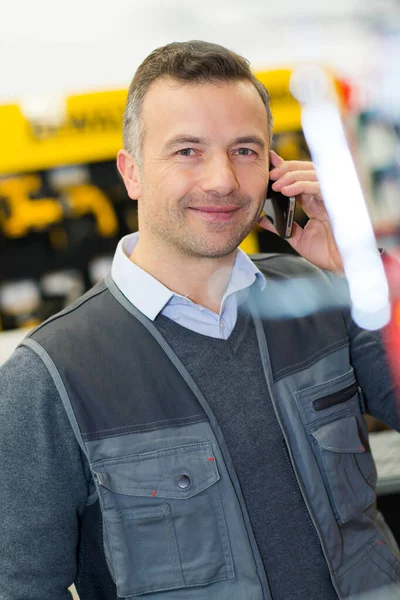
23 214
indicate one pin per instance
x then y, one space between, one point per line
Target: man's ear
129 171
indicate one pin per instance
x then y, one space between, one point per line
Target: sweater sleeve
44 484
369 358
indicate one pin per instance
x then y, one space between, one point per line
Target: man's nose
219 176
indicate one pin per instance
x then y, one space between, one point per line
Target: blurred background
64 73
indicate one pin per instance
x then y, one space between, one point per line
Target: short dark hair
190 62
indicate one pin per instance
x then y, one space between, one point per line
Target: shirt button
183 482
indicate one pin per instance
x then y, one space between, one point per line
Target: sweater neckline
199 339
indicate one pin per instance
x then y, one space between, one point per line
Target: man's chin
204 250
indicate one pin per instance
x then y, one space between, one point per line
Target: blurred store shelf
385 446
9 340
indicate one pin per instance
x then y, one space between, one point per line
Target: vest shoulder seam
68 309
280 374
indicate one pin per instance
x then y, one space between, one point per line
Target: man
192 427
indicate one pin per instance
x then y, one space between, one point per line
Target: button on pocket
164 523
183 482
341 454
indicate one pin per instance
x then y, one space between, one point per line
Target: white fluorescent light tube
343 197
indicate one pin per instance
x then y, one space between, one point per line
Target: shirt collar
150 296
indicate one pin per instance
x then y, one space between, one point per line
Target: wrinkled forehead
213 110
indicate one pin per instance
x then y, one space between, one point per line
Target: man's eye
185 152
245 152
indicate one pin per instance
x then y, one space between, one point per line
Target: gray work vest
166 517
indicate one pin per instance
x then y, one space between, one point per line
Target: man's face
205 166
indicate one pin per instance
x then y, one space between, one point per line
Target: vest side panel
320 406
321 411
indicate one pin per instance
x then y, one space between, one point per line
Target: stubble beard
182 238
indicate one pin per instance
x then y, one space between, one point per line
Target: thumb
265 223
275 159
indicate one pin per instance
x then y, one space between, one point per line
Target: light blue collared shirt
152 297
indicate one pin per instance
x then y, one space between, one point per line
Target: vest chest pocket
331 413
347 466
163 520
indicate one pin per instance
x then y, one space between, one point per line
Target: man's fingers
296 237
293 177
313 206
275 159
302 187
265 223
290 165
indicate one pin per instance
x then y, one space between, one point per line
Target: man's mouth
215 213
215 208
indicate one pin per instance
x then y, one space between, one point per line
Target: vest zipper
334 399
286 453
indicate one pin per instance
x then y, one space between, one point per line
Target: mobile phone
280 211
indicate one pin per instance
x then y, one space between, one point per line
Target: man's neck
202 280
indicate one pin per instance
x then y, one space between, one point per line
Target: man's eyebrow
250 139
178 140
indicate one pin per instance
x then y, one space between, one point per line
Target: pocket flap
340 436
180 472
